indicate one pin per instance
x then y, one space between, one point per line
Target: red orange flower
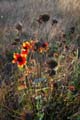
41 49
45 45
22 87
19 59
41 46
24 52
71 87
26 46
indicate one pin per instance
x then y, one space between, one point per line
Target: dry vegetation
59 97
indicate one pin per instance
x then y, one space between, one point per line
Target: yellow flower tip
41 50
14 55
31 41
13 61
23 55
20 66
24 44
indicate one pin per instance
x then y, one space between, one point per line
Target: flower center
25 47
20 59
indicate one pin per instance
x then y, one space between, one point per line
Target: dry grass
67 12
28 11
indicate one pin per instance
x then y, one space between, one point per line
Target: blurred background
27 11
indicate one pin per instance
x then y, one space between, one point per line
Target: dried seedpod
71 88
37 45
54 21
14 43
51 54
27 115
19 26
17 40
43 18
64 35
51 72
52 64
55 85
66 47
72 30
44 44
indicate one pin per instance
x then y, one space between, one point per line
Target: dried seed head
72 30
43 18
52 64
19 26
51 72
54 21
17 40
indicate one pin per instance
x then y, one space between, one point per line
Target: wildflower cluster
26 48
